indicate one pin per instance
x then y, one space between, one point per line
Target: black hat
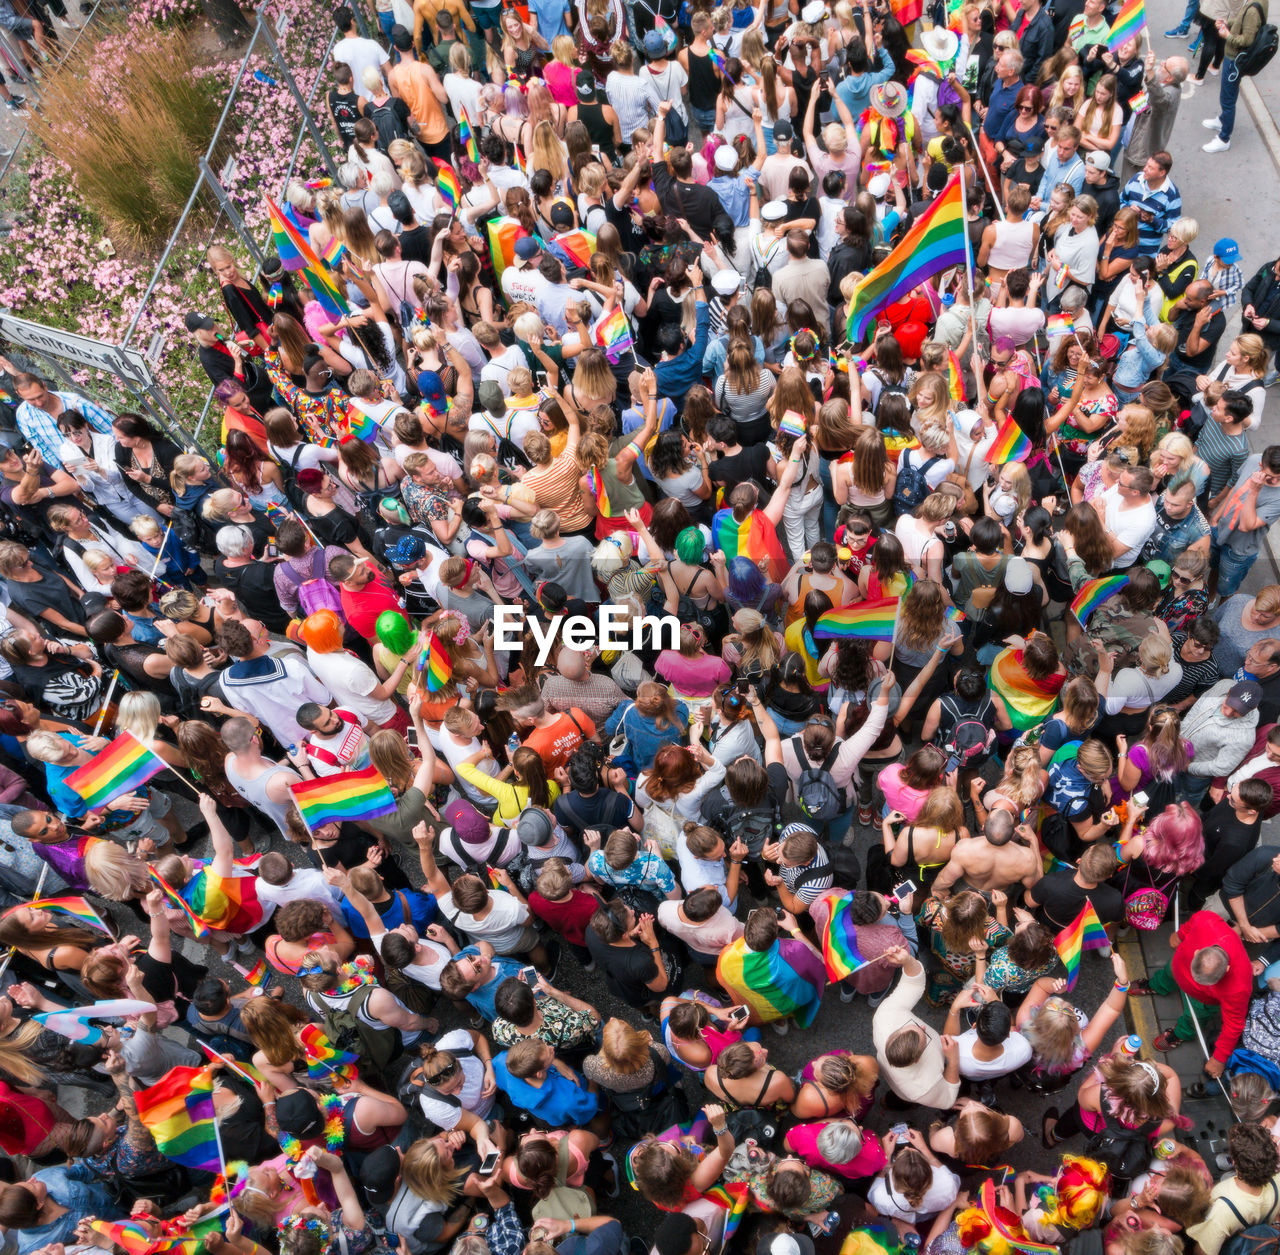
782 130
561 215
586 87
379 1174
299 1113
199 322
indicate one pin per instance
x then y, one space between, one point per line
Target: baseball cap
1226 249
1161 570
878 185
783 130
1034 146
468 824
533 827
491 397
527 248
406 551
726 158
199 322
432 388
1098 160
1244 696
726 282
299 1113
379 1174
654 46
586 87
561 215
1017 576
773 210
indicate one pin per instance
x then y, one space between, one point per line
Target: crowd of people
601 263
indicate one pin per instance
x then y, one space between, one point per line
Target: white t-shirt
504 363
443 1113
937 472
523 283
710 937
351 681
426 973
502 928
1132 526
889 1201
305 885
358 53
1016 1052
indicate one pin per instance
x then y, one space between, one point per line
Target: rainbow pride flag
1060 325
1085 932
840 937
179 1112
467 137
907 11
228 903
754 538
792 424
360 424
924 64
867 621
275 294
324 1059
716 57
521 164
1028 703
447 184
1093 593
955 379
297 254
1130 22
578 244
1139 102
347 796
1011 445
734 1198
77 908
435 664
257 975
134 1239
333 253
244 1070
613 333
599 492
785 980
126 764
938 239
503 233
198 927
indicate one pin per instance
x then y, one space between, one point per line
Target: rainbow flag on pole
716 57
244 1070
599 492
124 765
1139 102
1130 22
324 1059
77 908
1011 445
503 233
297 254
792 425
360 423
1093 593
447 185
467 137
198 927
435 665
938 240
1085 932
613 333
755 538
1060 325
840 936
179 1112
347 796
867 621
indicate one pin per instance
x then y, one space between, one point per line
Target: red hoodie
1231 994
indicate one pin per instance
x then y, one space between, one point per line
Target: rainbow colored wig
991 1229
1079 1193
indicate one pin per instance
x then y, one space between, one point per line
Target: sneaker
866 816
16 102
1214 70
781 1027
1216 145
874 1000
1167 1041
1212 124
1178 32
846 993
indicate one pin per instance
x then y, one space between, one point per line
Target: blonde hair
547 153
836 139
1253 350
564 50
427 1175
623 1048
1020 481
1155 655
1267 600
185 465
139 714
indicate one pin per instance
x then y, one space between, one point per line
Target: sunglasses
1179 578
449 1070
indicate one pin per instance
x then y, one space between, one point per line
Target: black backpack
1125 1151
510 454
912 485
389 125
289 479
754 826
817 793
970 739
1257 55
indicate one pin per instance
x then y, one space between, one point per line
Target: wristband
720 1132
1121 988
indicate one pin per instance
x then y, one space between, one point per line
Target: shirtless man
994 859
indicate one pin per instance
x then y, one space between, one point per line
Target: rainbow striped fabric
124 765
1011 445
866 621
347 796
503 233
596 479
578 244
77 908
754 538
1085 932
1093 593
227 903
785 980
1060 325
360 424
297 254
938 239
198 927
792 424
467 136
840 936
178 1110
134 1239
324 1059
434 664
1130 22
613 333
447 184
716 57
1027 702
1139 102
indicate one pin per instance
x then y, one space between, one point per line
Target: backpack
1257 55
1145 908
970 741
1257 1239
689 611
754 826
315 591
389 126
888 388
510 454
912 485
817 793
376 1047
1124 1151
289 479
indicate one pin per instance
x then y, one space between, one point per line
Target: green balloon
394 631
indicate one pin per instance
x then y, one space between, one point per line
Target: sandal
1140 988
1047 1139
1167 1041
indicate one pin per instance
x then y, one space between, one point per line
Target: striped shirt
634 100
555 487
1224 454
41 427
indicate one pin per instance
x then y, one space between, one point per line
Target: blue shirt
422 911
557 1101
633 420
41 428
677 375
855 90
735 195
550 15
1150 234
71 1186
1000 108
1056 171
482 998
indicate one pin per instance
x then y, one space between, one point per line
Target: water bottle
1131 1046
513 743
479 1223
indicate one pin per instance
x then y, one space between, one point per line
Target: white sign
128 364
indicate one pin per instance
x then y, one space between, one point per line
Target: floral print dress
956 969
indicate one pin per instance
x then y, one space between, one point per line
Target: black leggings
1070 1123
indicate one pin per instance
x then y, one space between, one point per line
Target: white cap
773 210
726 282
1017 576
1098 160
813 12
878 185
726 158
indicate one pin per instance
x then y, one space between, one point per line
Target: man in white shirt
1129 514
522 280
499 916
503 359
280 882
918 1065
357 52
991 1047
354 682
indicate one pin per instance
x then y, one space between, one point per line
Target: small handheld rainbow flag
1011 445
716 57
447 185
792 424
347 796
1139 102
324 1059
1085 932
124 765
955 615
275 294
955 379
613 333
198 927
733 1199
578 244
178 1110
333 253
467 136
925 64
867 621
318 185
520 161
840 936
435 664
134 1239
77 908
360 424
1129 24
1093 593
257 975
1060 325
599 492
245 1070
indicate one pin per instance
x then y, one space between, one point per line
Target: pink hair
1175 840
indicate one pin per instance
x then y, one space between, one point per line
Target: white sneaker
1212 70
781 1027
1212 124
1216 145
1188 88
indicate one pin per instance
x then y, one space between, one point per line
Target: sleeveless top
592 117
255 792
716 1039
1012 248
704 82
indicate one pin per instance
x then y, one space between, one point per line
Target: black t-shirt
1226 841
254 587
352 848
605 809
346 113
627 969
1210 333
1019 173
697 204
48 593
749 463
633 238
808 208
1269 706
415 244
1061 900
176 979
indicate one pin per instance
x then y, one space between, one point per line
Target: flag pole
986 174
893 640
968 269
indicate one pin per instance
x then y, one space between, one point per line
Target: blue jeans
1228 92
705 119
1232 568
1193 7
1193 788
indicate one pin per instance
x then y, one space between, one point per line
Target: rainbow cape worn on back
787 980
839 937
938 239
755 538
1027 702
867 621
178 1110
1085 932
578 244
